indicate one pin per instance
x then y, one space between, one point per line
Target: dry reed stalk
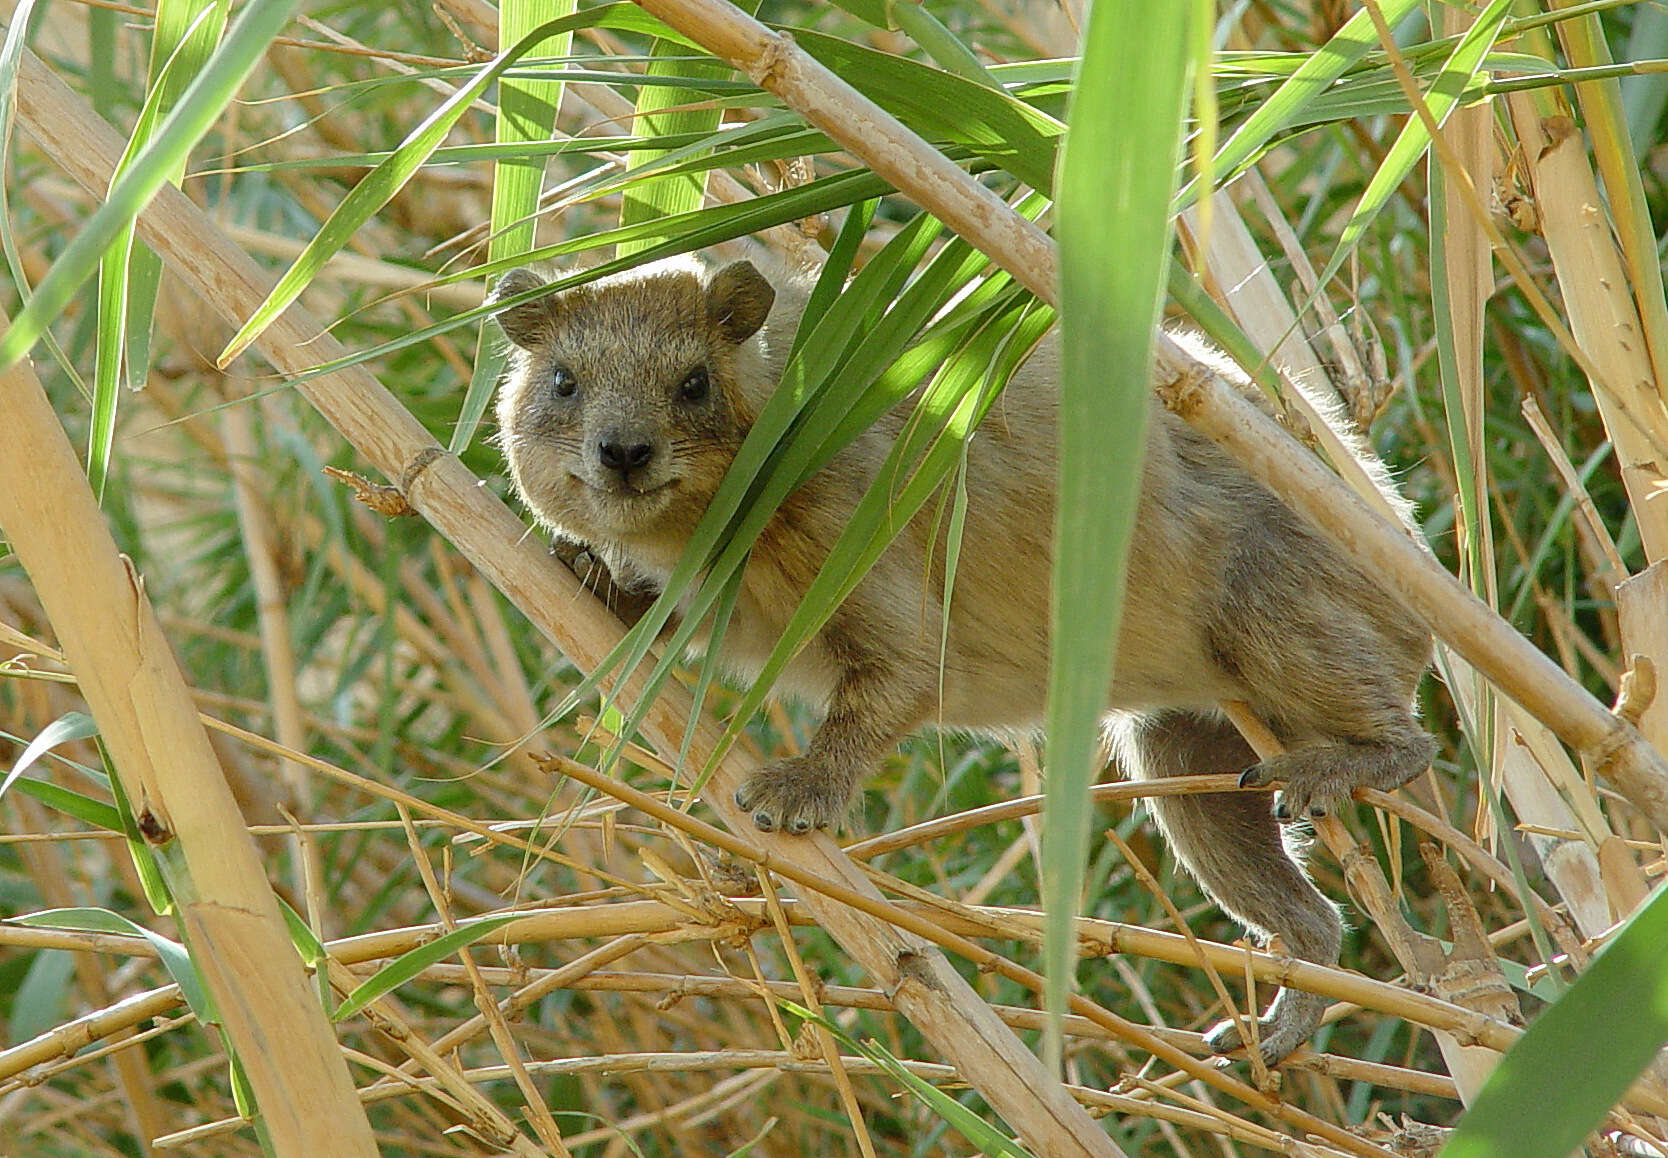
482 1116
1604 317
1200 1118
1602 313
127 673
52 872
1585 46
1642 604
939 932
807 995
259 536
742 917
537 1112
928 991
679 985
651 919
1193 391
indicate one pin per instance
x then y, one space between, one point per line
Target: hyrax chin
625 403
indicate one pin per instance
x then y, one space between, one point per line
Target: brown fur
1230 595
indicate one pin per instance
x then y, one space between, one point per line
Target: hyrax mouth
624 491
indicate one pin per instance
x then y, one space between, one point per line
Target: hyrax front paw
628 603
794 795
1309 789
1274 1041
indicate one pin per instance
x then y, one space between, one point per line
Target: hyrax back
624 405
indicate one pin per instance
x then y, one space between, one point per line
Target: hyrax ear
738 301
528 323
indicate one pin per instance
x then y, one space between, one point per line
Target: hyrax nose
624 454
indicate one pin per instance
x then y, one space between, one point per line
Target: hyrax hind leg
1232 845
1329 663
1341 704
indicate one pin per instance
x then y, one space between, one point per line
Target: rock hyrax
625 402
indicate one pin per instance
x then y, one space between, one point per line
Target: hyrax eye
695 386
563 382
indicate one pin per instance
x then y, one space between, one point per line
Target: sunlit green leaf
1113 223
197 110
526 113
1317 71
1442 98
172 954
1621 1001
184 39
66 728
378 187
408 965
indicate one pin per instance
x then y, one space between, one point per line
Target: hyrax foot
1319 780
794 795
628 603
1290 1021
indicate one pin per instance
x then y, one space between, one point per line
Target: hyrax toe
1309 789
1273 1042
1320 780
793 796
1290 1022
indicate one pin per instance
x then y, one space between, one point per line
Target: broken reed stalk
147 721
65 1041
1197 394
927 990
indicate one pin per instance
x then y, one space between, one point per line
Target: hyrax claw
792 796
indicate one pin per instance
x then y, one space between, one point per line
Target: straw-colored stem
126 669
1197 394
939 1001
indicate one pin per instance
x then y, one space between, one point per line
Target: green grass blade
931 448
209 93
1114 226
947 50
526 113
1537 1104
1442 98
172 954
158 895
41 1000
943 106
66 728
408 965
380 185
186 32
775 136
763 473
665 110
1312 78
94 813
990 1140
127 290
682 234
832 421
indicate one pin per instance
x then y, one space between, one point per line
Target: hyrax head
622 408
